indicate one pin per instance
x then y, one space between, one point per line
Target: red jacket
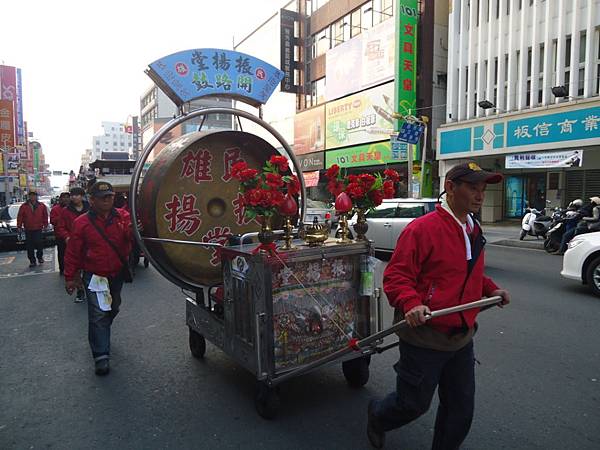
87 250
32 217
64 228
55 213
429 267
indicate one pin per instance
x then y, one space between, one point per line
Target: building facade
156 109
522 99
117 137
336 103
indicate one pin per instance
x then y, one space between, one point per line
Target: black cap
471 173
77 191
101 189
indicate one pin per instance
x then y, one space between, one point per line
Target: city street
538 377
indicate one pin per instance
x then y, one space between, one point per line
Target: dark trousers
419 372
62 247
99 321
34 245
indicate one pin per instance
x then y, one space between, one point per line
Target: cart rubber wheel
146 262
592 276
266 400
197 344
356 371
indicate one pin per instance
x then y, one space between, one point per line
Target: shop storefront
548 156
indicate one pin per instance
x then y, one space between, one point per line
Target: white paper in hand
100 286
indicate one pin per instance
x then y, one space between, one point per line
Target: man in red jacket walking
100 240
438 263
33 216
75 208
55 216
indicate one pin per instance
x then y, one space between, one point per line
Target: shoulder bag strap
108 241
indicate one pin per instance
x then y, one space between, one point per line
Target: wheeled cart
278 313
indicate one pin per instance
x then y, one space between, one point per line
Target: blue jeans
99 321
419 372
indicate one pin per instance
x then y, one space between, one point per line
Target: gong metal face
188 194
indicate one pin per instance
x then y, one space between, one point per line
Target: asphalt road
538 381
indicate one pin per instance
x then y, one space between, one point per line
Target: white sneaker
78 299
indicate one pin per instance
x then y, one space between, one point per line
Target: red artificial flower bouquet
366 191
267 192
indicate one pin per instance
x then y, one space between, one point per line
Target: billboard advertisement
343 69
309 131
545 160
361 62
7 124
360 118
378 54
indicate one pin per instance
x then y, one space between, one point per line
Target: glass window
383 212
568 52
367 15
355 23
387 7
322 42
410 210
582 48
541 58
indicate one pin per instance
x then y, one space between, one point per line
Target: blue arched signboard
191 74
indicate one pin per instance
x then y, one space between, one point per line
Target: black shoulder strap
108 241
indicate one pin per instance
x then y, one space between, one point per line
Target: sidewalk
507 234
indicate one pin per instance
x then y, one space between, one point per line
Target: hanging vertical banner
20 127
406 56
287 55
8 94
7 124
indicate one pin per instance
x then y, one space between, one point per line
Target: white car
581 261
389 219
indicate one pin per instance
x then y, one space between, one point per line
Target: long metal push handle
359 345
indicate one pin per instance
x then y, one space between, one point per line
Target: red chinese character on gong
219 235
182 216
239 210
231 156
197 164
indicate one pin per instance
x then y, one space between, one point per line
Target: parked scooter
562 221
535 224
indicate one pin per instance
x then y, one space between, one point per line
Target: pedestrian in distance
99 247
33 218
438 263
76 207
55 216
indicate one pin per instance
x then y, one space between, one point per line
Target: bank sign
566 128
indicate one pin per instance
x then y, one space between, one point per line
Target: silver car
389 219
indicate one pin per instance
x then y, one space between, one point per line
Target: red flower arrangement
365 190
264 192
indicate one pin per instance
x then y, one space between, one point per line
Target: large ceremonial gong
188 194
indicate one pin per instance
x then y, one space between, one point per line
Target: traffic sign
411 132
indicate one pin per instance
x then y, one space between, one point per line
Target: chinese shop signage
406 56
361 155
287 43
191 74
567 128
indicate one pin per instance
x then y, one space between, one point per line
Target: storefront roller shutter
574 187
582 184
592 183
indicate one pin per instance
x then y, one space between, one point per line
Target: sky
83 62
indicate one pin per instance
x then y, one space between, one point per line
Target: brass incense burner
316 233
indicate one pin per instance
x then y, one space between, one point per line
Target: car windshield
13 210
410 210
